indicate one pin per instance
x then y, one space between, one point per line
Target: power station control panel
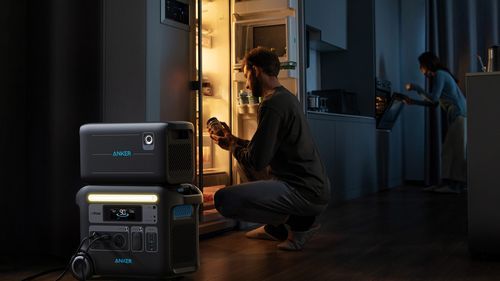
123 214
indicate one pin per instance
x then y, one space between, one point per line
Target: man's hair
263 58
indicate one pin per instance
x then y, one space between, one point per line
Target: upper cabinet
329 18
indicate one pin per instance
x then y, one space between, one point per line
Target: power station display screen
122 213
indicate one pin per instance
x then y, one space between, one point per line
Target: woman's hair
430 61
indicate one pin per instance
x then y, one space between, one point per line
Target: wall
147 67
329 17
387 67
53 67
399 40
413 43
124 97
13 89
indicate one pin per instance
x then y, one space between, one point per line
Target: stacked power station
139 215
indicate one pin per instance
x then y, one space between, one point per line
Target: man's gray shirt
284 142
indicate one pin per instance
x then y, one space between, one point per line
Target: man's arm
242 142
259 152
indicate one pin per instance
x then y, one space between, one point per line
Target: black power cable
29 278
85 251
78 250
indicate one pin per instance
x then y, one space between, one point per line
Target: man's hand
223 139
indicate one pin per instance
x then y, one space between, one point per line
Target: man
299 191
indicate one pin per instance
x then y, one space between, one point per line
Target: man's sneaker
261 233
297 239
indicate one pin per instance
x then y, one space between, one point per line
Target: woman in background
446 93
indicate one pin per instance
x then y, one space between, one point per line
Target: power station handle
192 199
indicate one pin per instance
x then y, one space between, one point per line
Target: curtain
457 31
461 29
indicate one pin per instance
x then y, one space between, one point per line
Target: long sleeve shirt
446 91
284 142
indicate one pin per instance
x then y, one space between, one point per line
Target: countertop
482 73
339 115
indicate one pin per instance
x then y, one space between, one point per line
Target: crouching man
299 190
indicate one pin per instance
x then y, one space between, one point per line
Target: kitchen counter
483 153
347 147
340 115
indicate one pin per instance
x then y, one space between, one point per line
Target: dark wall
13 94
387 67
56 45
413 43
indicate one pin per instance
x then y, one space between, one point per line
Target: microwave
274 29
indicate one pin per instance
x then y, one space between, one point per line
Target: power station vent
180 157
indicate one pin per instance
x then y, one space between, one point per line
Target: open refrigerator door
214 100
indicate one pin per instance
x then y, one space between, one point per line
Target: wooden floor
403 234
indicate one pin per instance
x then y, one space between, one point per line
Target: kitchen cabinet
483 154
330 18
347 147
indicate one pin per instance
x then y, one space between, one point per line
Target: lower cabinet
347 147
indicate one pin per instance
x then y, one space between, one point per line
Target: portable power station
137 153
144 231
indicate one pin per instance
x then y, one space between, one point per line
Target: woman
447 94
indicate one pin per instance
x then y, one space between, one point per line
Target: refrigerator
180 60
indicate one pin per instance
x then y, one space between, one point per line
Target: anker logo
123 261
122 153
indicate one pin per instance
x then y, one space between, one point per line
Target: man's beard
257 90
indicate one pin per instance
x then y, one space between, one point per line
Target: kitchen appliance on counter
317 103
493 59
337 101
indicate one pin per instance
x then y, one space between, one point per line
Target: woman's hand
410 87
406 100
